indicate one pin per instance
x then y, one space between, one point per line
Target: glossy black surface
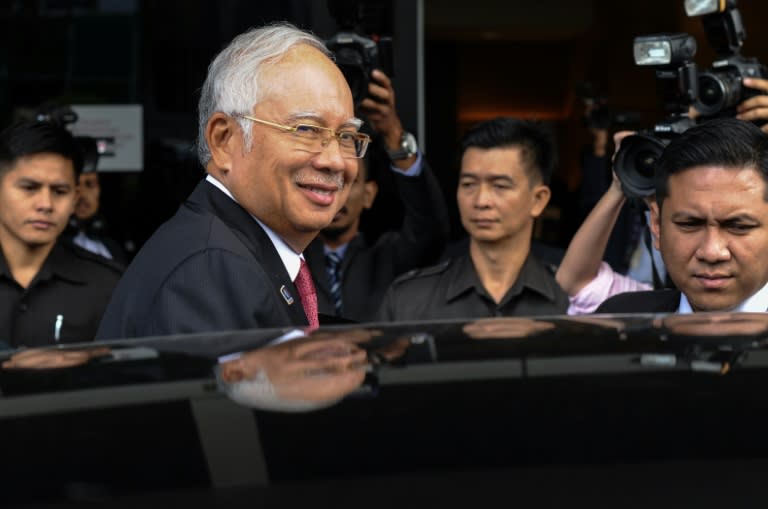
487 400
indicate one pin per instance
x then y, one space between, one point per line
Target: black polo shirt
69 294
453 289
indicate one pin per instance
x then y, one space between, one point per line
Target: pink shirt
606 284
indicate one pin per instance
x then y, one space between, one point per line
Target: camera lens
635 163
718 91
644 162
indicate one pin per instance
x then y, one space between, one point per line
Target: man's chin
334 231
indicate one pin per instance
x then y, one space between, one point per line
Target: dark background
481 59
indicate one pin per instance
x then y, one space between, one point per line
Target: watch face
409 143
408 148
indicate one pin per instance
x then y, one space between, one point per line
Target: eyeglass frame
334 133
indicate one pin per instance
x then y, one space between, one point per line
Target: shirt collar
532 276
290 258
757 303
339 250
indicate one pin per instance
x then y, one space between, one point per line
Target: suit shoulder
649 301
93 261
422 273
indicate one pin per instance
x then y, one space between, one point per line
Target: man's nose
331 157
483 197
44 199
713 247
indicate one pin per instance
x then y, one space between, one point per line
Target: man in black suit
280 143
710 222
351 273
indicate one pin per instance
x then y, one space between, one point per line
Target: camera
600 115
677 82
720 86
357 55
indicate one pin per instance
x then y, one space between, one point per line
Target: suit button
23 307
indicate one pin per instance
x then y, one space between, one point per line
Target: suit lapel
258 243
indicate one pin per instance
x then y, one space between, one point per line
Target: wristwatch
408 147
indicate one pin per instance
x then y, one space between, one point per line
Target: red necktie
307 294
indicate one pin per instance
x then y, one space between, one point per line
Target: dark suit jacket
368 270
210 267
654 301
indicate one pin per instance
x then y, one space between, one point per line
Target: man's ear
221 135
541 196
371 189
655 223
232 371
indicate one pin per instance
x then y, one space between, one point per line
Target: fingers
382 79
620 135
756 83
754 108
756 113
374 109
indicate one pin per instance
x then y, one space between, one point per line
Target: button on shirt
65 299
453 290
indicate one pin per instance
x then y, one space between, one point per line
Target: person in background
506 164
50 292
352 274
87 228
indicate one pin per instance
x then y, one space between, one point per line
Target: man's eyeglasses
314 138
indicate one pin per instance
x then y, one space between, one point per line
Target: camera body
671 55
357 56
721 89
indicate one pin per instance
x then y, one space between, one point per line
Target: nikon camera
720 88
676 78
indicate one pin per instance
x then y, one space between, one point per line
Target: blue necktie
333 269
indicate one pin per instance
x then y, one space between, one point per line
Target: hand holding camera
755 108
379 109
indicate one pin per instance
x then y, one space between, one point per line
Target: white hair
232 85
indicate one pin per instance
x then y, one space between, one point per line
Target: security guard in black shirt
506 166
49 292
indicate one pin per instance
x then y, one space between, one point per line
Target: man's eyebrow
492 177
316 117
306 115
355 122
28 180
747 218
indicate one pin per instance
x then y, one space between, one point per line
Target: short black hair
536 142
726 142
28 138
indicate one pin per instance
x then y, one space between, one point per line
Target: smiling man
506 166
49 292
281 147
710 222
